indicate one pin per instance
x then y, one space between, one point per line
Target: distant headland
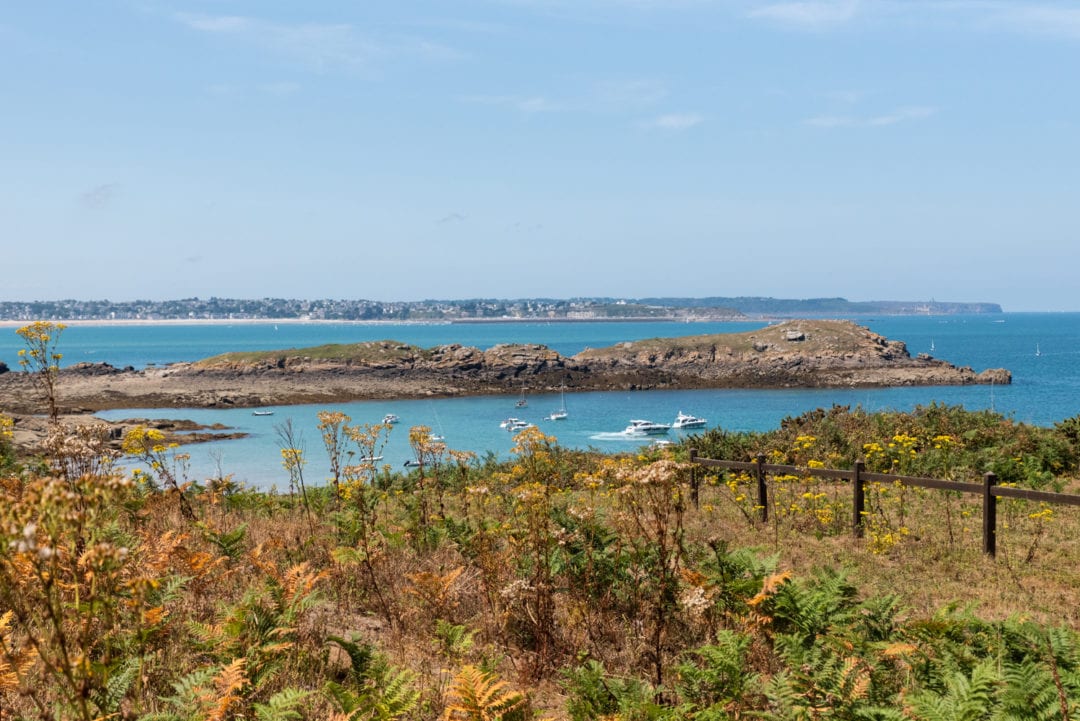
474 310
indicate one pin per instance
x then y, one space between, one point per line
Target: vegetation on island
557 584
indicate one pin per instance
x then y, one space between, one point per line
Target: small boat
390 419
262 413
435 438
639 427
521 403
685 420
1037 351
560 414
412 464
513 425
370 459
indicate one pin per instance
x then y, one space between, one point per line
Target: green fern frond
398 694
1030 693
965 698
455 640
282 706
108 699
360 655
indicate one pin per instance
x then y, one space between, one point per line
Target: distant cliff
795 354
817 307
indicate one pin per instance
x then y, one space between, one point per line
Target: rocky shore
794 354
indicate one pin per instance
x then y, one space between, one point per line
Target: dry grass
527 570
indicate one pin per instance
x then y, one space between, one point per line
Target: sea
1042 350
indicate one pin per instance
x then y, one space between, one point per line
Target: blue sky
394 150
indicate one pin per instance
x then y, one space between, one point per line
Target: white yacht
390 419
560 414
639 427
685 420
515 424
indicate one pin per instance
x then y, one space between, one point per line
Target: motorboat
639 427
390 419
513 425
262 413
685 420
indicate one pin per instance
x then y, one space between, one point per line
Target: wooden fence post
989 515
762 490
694 482
858 506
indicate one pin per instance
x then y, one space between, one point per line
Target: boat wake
619 436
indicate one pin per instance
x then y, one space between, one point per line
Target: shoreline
324 321
219 321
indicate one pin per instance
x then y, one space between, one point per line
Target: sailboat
521 401
1037 351
560 414
931 345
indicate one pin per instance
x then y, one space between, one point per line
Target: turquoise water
1045 389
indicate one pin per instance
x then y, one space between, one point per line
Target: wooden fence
859 477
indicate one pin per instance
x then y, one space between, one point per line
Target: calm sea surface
1041 350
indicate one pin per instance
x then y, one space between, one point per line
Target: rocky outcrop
803 354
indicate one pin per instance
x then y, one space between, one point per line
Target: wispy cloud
675 121
280 89
630 94
528 105
900 115
810 14
100 196
323 46
451 218
1043 19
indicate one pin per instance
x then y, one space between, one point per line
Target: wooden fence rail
859 477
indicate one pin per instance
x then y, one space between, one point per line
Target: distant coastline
484 310
323 321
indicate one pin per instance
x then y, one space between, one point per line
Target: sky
396 150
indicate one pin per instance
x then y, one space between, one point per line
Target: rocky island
793 354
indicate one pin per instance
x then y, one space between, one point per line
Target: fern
231 542
186 704
108 699
398 695
964 698
282 706
455 640
377 691
15 662
478 696
592 694
1029 693
360 656
718 676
